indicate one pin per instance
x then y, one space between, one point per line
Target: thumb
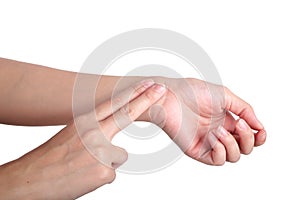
242 109
103 150
118 157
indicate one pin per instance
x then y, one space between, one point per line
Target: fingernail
160 88
222 131
147 83
242 124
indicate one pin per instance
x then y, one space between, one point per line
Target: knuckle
120 157
137 89
89 137
110 175
249 107
106 174
249 137
128 111
123 155
246 108
149 96
117 101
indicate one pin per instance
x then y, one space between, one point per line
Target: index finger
131 111
107 108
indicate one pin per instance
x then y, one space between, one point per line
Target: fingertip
260 137
218 154
154 93
159 88
120 162
120 156
146 83
246 135
252 121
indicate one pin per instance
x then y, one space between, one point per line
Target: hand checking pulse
72 164
208 122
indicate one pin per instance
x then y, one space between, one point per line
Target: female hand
80 158
197 115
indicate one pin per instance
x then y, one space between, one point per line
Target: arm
35 95
73 162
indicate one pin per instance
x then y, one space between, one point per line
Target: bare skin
62 168
205 131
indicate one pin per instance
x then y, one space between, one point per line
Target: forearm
12 182
37 95
34 95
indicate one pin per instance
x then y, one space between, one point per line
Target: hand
72 164
197 116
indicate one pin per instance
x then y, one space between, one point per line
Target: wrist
108 85
155 114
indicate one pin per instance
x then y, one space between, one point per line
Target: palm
191 110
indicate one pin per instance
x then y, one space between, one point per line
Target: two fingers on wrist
127 106
114 115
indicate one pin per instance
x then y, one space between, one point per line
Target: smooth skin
197 115
63 168
27 93
207 131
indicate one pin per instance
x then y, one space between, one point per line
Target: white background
254 44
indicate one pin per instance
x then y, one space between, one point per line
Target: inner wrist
168 82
